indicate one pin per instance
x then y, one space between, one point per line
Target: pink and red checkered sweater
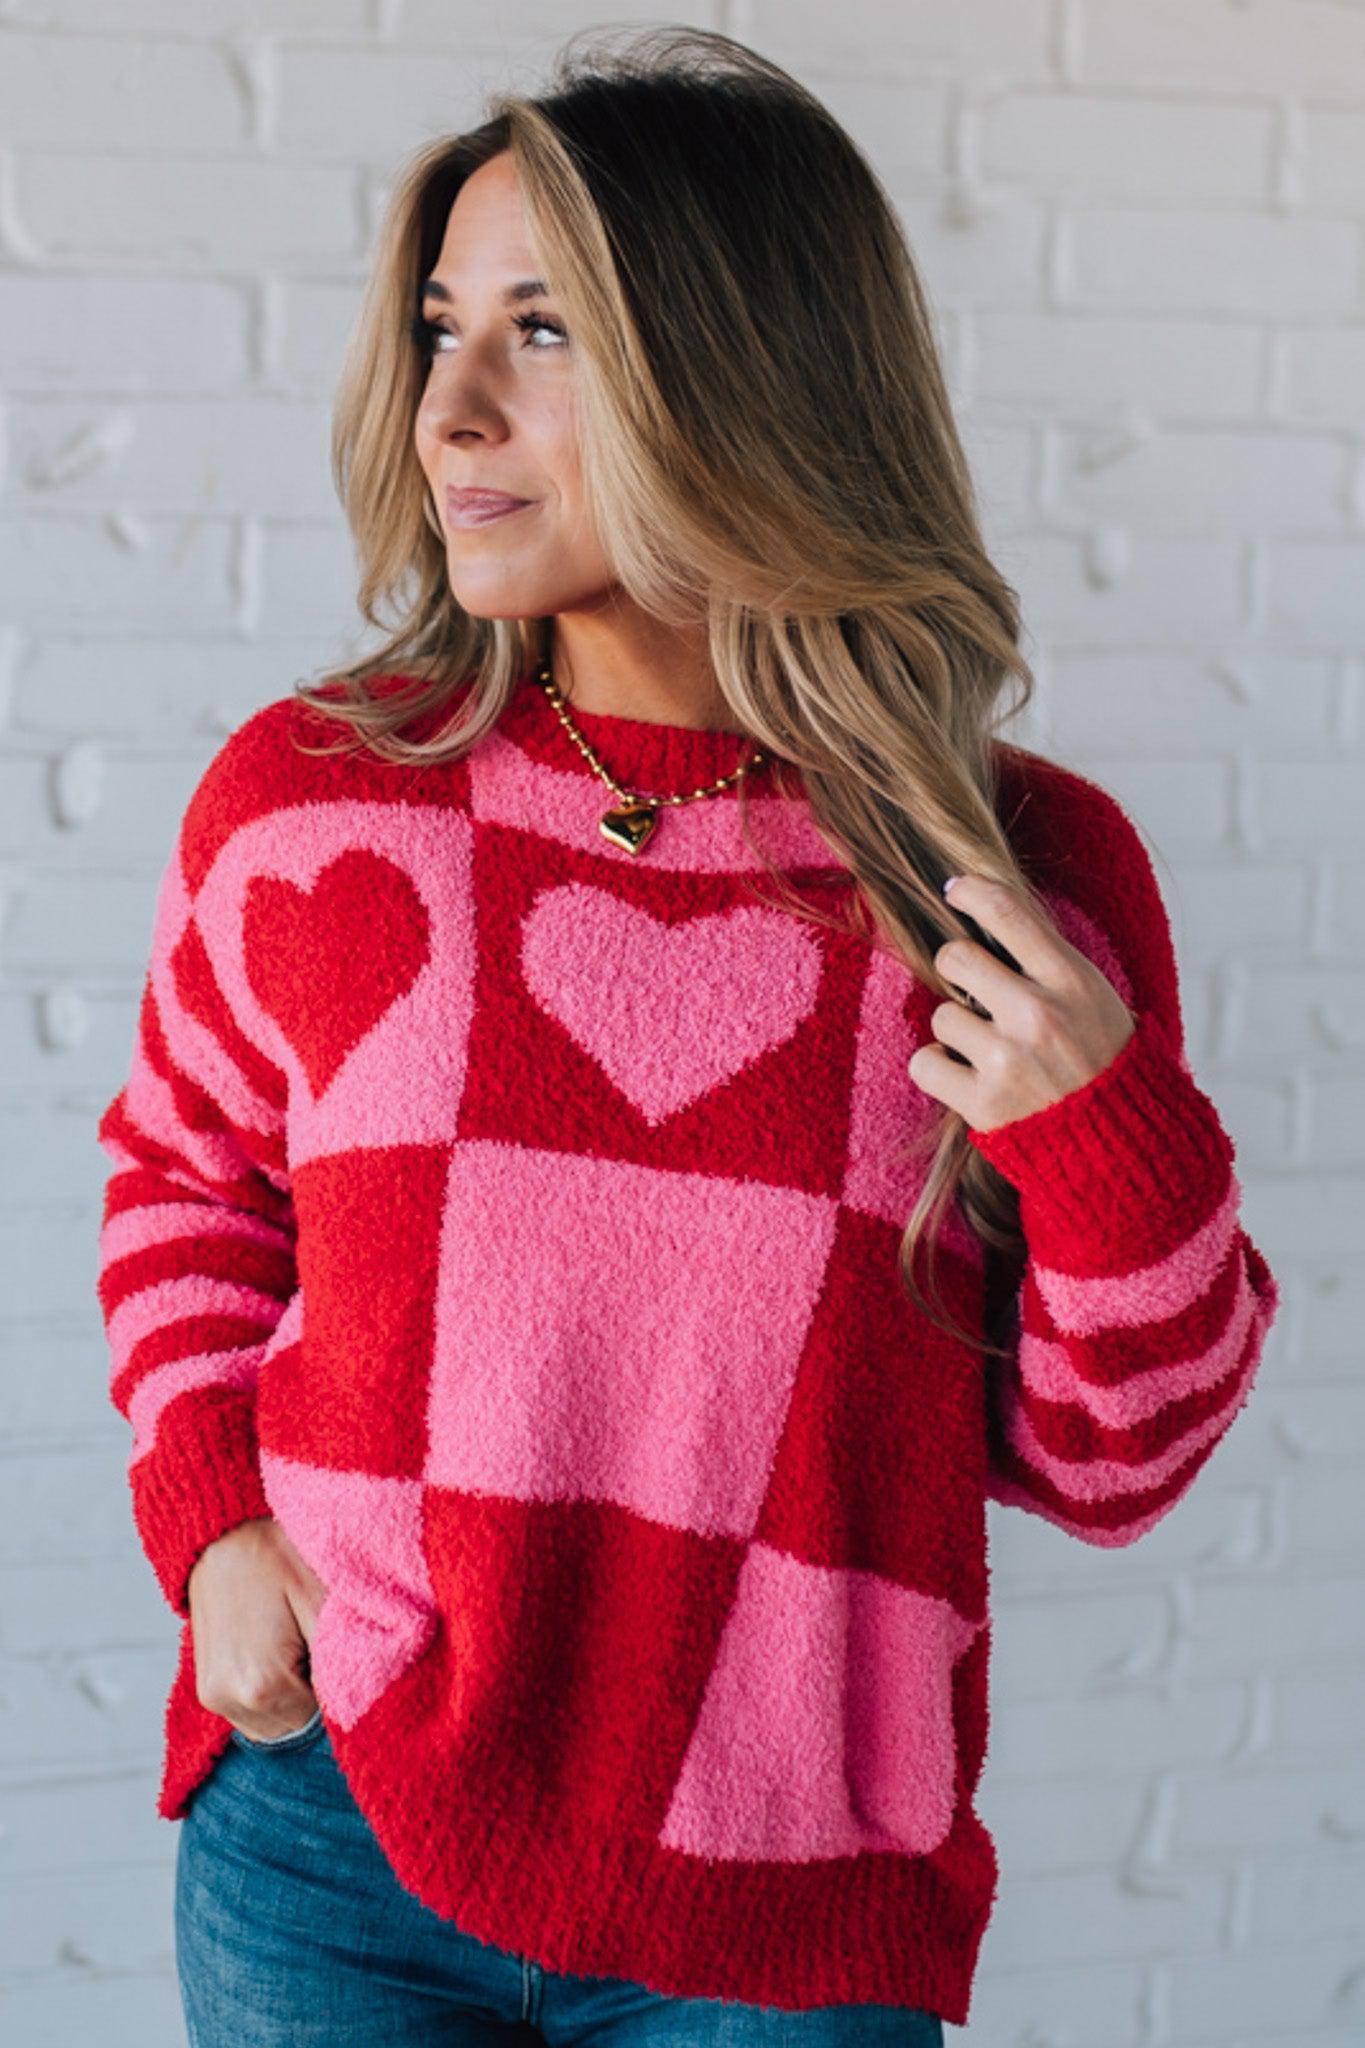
516 1220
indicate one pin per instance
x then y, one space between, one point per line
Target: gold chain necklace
630 823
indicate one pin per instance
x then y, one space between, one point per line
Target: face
497 414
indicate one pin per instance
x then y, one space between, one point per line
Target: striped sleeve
1138 1318
196 1262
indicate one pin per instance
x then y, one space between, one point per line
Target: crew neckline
646 755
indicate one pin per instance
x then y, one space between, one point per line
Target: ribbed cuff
200 1479
1123 1168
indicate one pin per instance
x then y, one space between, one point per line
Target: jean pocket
293 1738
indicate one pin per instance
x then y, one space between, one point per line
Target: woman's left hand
1051 1028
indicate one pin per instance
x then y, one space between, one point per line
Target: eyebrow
525 288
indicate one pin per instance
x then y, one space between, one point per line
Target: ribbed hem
201 1478
1123 1168
485 1849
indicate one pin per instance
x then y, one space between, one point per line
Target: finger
965 1032
305 1612
945 1076
1009 916
1001 992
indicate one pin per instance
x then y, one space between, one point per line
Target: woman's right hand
253 1605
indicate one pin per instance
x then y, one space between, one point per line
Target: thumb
304 1593
305 1606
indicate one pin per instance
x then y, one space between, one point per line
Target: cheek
426 448
553 441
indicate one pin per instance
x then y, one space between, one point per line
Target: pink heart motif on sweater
668 1011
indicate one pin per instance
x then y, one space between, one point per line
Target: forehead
486 238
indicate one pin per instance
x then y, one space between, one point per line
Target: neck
620 663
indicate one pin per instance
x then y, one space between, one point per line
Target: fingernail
949 883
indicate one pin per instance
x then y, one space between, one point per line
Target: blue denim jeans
292 1931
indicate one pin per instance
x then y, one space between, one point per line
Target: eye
425 333
530 322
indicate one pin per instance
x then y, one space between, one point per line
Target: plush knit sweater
515 1218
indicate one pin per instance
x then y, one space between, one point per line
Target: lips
472 508
482 501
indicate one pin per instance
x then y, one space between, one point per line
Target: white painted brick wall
1142 224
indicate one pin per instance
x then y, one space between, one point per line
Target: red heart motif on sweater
327 962
668 1011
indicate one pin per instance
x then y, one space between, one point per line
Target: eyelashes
423 333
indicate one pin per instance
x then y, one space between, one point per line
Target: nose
459 397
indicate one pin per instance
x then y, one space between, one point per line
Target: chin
475 610
491 596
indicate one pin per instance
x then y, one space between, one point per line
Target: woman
572 1300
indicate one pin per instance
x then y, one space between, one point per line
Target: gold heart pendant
630 826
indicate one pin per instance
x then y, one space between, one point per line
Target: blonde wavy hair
769 449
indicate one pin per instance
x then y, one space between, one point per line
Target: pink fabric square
888 1113
401 1082
362 1535
613 1331
827 1725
